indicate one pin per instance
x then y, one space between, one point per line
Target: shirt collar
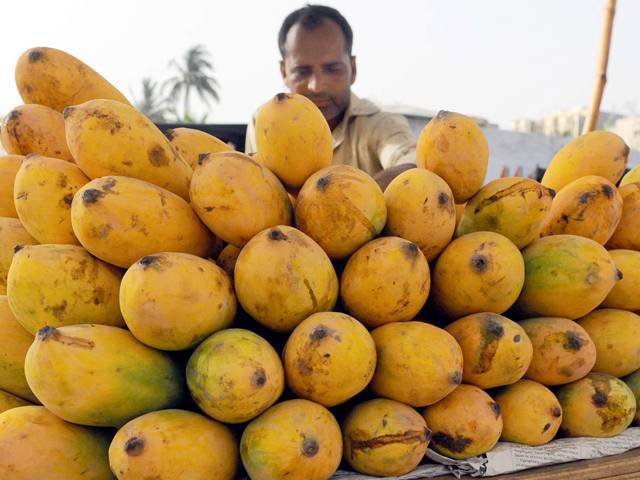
357 107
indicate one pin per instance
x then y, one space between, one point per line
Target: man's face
317 66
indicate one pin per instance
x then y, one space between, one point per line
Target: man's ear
282 70
354 70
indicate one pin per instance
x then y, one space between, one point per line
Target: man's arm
396 148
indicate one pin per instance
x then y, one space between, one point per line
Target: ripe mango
43 191
35 444
453 146
161 445
563 351
35 129
466 423
386 280
237 197
627 235
565 276
632 176
479 272
228 258
293 138
9 401
9 166
329 358
107 137
599 153
235 375
598 405
384 438
625 292
633 382
121 219
341 208
420 208
514 207
293 439
191 143
418 364
99 375
12 234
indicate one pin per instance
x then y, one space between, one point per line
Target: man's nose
316 83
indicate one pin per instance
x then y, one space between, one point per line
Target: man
315 43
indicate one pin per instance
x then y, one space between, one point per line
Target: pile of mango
174 309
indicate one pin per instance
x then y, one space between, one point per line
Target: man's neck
334 122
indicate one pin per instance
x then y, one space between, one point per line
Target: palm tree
152 104
194 72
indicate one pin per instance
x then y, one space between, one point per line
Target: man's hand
384 177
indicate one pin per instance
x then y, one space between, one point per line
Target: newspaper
511 457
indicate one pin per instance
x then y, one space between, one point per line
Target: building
565 123
629 129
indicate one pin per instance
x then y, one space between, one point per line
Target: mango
43 191
418 363
9 166
598 405
616 335
237 197
625 292
453 146
228 258
633 382
341 208
191 143
161 445
631 176
293 138
235 375
329 358
9 401
99 375
282 276
384 438
35 129
599 153
466 423
627 235
565 276
293 439
107 137
515 207
386 280
420 209
54 78
496 350
35 444
12 234
563 351
479 272
121 219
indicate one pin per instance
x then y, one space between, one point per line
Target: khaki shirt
366 138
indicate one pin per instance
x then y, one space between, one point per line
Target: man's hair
310 17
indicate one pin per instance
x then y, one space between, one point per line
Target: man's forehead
325 43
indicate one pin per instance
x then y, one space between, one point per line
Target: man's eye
334 68
300 72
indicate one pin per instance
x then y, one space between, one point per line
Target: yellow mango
293 439
191 144
341 208
632 176
35 129
627 235
282 276
35 444
107 137
633 382
293 138
384 438
514 207
625 294
9 401
453 146
228 258
173 301
161 445
9 166
43 191
237 197
420 209
329 358
12 234
599 153
56 79
121 219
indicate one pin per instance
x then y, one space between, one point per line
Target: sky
497 59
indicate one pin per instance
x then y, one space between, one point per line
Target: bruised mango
531 413
191 144
563 351
294 439
9 401
420 209
386 280
9 166
99 375
228 258
341 208
633 382
12 234
161 445
514 207
418 364
329 358
237 197
453 146
466 423
632 176
625 292
43 191
121 219
598 405
384 438
627 235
